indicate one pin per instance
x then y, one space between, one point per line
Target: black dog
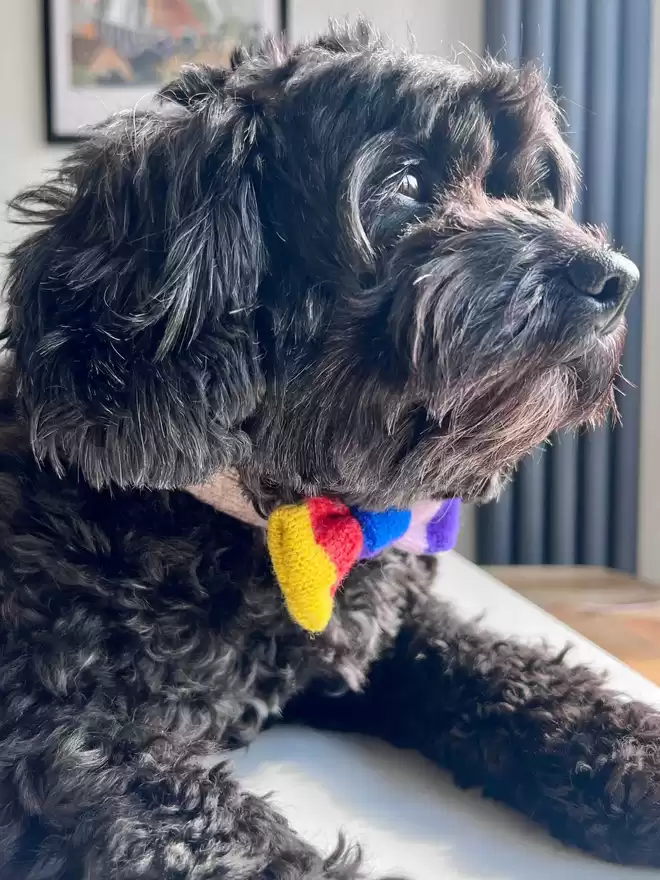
338 271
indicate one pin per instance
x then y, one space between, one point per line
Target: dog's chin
466 441
471 451
489 490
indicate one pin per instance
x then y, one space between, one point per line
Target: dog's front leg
79 813
517 722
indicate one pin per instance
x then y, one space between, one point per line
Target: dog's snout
608 279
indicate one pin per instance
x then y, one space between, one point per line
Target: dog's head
341 269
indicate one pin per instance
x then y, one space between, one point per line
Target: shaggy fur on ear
131 310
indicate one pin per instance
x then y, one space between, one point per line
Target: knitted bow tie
313 546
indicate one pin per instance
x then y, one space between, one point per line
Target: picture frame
101 56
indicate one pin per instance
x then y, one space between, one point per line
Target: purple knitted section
442 530
433 527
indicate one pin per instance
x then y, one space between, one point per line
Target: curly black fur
244 277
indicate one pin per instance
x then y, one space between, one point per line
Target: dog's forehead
377 90
378 75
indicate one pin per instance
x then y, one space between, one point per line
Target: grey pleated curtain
576 502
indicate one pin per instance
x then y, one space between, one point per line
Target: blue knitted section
379 530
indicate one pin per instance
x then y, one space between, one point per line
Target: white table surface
407 814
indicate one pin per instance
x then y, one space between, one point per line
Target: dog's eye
409 186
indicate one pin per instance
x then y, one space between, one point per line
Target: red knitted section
337 532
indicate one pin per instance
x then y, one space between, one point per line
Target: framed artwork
108 55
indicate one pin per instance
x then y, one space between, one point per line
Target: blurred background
579 528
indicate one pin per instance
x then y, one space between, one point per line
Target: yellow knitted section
303 570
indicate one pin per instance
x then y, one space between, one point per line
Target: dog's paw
610 803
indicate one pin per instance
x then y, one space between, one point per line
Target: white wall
438 26
649 506
24 153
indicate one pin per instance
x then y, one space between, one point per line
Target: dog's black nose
609 279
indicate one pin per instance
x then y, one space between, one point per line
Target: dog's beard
473 438
378 449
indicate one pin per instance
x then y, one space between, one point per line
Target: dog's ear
131 309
